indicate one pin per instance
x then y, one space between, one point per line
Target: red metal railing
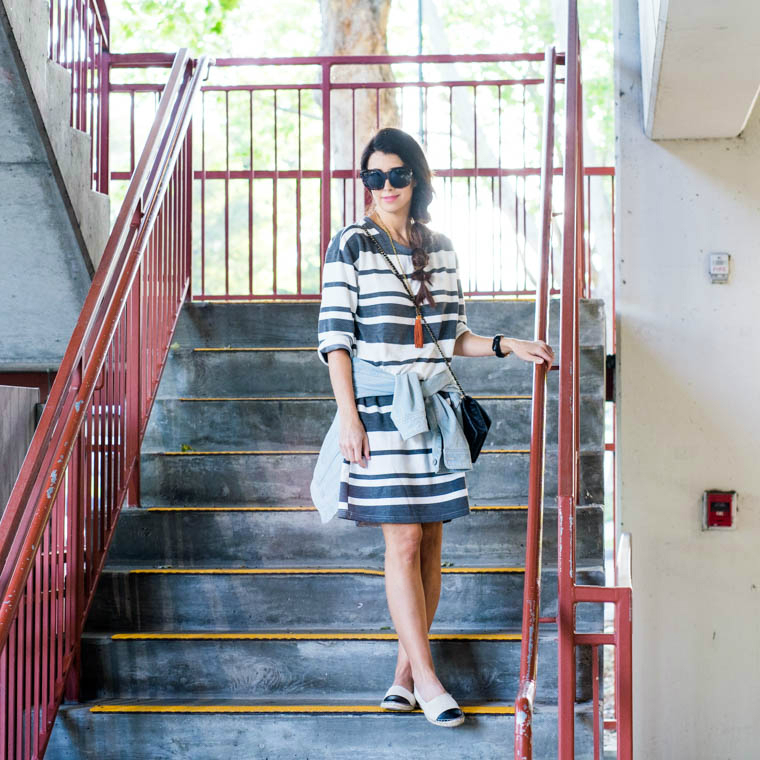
534 538
84 455
271 186
570 594
78 40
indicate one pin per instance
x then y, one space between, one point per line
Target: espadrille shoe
442 710
398 698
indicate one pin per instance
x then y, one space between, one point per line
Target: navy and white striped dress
366 310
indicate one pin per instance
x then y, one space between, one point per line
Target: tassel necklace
418 342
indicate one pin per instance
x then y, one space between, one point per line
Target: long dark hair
402 144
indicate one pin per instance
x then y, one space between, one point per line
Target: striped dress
366 310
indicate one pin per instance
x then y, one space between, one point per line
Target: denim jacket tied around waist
417 408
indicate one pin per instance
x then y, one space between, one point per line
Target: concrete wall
700 65
49 86
44 274
17 410
688 415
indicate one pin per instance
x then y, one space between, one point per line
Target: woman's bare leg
413 587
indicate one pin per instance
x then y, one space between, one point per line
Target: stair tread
289 703
550 504
322 568
511 633
339 704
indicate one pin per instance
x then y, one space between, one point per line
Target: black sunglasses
399 176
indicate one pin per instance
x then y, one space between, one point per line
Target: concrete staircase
229 622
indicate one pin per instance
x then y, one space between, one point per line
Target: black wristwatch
496 346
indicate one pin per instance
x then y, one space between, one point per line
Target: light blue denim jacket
417 408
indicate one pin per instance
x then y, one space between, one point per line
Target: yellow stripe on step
259 348
309 636
257 452
232 509
218 453
256 398
499 506
497 709
503 398
307 570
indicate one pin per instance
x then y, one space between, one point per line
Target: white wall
688 420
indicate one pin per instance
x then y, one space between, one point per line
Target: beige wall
688 419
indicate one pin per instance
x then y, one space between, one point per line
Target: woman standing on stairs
387 379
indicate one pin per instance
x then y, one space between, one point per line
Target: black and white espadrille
398 698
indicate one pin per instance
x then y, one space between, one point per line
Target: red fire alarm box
718 510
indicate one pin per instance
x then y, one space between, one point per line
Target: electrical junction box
719 510
720 264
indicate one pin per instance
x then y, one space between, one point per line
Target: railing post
75 559
104 88
623 674
134 385
326 165
567 486
188 210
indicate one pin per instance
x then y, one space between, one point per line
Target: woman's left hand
535 351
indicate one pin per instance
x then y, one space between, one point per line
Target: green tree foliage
181 23
292 28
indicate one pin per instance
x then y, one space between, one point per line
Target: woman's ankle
424 676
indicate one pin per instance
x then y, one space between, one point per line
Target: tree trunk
357 27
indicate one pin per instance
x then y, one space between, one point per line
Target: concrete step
272 478
297 729
351 665
292 423
235 372
182 537
295 323
234 599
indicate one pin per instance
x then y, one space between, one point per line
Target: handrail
569 594
84 455
532 583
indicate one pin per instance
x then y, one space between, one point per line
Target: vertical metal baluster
250 192
226 192
353 161
203 194
12 665
299 177
274 203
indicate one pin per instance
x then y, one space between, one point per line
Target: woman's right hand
353 440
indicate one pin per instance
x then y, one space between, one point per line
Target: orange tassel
418 331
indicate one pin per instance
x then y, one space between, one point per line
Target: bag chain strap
410 294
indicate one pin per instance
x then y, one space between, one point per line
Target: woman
404 483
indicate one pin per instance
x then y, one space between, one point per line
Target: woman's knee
432 535
403 540
432 532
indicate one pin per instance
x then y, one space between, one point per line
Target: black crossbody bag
475 419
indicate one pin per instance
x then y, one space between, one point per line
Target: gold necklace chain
418 338
393 246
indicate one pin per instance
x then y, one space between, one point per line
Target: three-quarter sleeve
340 290
462 326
